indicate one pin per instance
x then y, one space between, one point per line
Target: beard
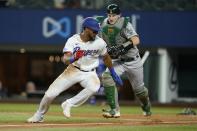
92 38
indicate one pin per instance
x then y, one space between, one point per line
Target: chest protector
113 34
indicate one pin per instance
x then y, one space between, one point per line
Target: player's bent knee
51 94
94 90
48 97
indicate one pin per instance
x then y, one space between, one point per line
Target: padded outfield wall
156 29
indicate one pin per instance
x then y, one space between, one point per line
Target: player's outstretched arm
108 62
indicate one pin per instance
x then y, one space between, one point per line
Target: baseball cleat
147 113
146 109
66 109
35 119
111 114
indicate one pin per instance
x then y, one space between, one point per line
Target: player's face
92 34
112 18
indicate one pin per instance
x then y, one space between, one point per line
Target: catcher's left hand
116 51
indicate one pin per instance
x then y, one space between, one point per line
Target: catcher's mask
113 9
91 23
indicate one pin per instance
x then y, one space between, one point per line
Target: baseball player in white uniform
81 53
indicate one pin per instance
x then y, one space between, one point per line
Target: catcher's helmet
91 23
113 9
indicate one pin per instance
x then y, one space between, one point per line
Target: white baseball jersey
93 49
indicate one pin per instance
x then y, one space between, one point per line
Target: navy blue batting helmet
91 23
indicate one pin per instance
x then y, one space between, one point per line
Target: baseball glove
116 51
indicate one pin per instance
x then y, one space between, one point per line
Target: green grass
18 113
120 128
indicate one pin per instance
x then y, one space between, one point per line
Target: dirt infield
125 120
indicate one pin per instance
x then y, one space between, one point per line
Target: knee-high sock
110 96
111 92
80 98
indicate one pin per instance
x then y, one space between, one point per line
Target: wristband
72 59
128 45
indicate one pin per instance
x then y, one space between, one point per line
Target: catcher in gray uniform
122 41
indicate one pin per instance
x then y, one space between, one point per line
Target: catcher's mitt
116 51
